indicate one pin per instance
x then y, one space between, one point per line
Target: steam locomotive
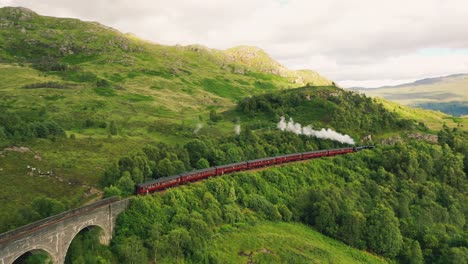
166 182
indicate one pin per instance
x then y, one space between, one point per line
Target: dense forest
405 202
327 106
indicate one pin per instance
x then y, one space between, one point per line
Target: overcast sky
356 43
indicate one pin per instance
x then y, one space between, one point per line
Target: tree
196 149
131 250
202 164
411 252
383 230
177 241
234 154
179 167
126 184
165 168
352 229
111 175
137 175
46 206
112 191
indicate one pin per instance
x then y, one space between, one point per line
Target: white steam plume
297 128
237 129
199 126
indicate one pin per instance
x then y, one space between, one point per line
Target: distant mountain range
448 94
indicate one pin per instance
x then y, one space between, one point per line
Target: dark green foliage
131 250
102 83
56 85
383 231
202 164
112 191
336 107
37 257
411 252
126 184
214 117
163 160
353 225
368 200
48 63
41 207
78 75
86 248
19 126
46 207
105 91
113 128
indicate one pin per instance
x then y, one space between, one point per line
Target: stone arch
34 250
104 237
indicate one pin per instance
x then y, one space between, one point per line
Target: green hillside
284 243
79 95
448 94
87 112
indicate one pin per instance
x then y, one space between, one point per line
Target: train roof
317 151
262 159
232 164
163 179
197 171
288 155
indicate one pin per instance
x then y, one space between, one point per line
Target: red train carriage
198 174
333 152
288 158
158 184
314 154
261 162
222 169
163 183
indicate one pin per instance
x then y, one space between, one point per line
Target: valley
448 94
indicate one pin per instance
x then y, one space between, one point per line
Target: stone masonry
55 234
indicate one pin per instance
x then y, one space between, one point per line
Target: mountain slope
448 94
83 106
92 72
109 93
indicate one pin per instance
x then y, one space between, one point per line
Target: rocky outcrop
426 137
391 140
415 136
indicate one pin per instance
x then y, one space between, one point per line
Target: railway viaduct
55 234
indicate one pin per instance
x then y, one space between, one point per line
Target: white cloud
344 40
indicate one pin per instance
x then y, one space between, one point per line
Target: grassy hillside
284 243
83 106
433 119
111 93
447 94
83 72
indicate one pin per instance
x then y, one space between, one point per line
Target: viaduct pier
55 234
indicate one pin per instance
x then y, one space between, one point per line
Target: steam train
166 182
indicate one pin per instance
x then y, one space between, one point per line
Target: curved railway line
166 182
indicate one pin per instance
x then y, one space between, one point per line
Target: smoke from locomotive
309 131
